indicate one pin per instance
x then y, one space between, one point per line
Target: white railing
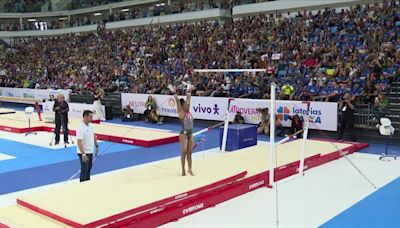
173 18
293 5
65 13
237 11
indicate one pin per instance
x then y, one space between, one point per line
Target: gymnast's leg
183 140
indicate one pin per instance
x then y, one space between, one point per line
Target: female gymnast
185 136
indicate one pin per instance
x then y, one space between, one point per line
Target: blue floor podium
239 136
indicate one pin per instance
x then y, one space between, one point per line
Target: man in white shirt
87 145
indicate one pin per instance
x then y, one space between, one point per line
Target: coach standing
61 110
87 144
347 105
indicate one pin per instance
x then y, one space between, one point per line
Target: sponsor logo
206 109
7 129
168 110
314 119
245 111
256 119
75 110
27 95
156 210
282 167
193 208
301 111
314 115
127 141
46 107
171 107
137 104
304 168
248 139
171 103
256 185
181 196
283 113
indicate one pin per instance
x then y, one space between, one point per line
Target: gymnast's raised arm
179 107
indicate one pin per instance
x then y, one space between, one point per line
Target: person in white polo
87 145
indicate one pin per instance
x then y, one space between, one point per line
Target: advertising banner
323 114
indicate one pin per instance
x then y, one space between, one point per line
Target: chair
28 113
386 129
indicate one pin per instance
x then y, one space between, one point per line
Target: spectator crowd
311 56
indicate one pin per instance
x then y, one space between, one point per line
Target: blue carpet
59 172
380 148
380 209
15 106
29 156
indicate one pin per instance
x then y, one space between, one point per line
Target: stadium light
124 10
97 14
31 20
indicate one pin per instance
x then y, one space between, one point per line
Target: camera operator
347 105
128 114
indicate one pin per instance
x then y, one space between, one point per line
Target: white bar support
225 134
272 153
303 147
288 138
208 129
283 141
200 132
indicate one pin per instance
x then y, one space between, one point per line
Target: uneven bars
303 146
228 70
290 136
226 124
272 155
208 128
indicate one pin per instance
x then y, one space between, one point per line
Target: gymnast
185 136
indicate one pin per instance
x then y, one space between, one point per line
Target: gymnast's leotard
187 123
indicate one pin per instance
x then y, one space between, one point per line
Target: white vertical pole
21 24
303 147
225 133
272 155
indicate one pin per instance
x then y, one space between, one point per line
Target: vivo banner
75 109
42 94
323 114
206 108
209 108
